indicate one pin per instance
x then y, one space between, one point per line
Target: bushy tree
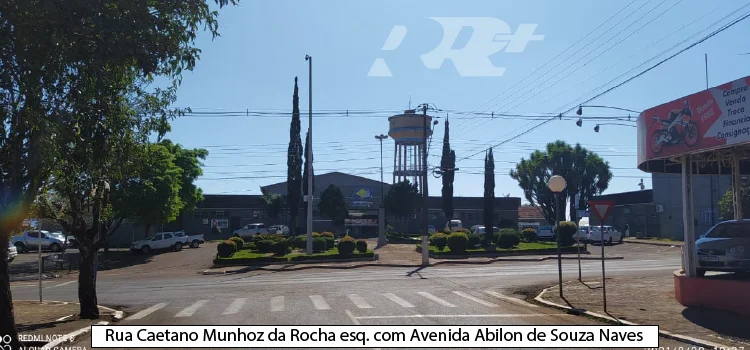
403 199
726 203
585 173
332 205
273 203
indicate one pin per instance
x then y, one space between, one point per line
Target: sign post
34 224
602 209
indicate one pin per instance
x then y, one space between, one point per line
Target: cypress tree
489 197
294 162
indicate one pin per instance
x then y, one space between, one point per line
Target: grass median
246 256
522 248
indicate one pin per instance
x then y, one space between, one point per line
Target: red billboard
710 119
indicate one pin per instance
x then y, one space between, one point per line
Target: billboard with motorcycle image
710 119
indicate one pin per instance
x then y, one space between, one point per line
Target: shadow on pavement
112 260
721 322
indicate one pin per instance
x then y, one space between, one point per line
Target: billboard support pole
737 186
688 254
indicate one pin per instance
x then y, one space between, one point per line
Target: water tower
409 133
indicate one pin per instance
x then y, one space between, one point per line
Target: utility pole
425 194
310 196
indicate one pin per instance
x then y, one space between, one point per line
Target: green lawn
253 256
663 239
523 246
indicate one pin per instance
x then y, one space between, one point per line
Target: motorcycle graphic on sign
677 128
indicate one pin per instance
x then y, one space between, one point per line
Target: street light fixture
596 128
557 184
579 122
580 109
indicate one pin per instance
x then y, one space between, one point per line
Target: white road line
190 310
460 316
436 299
143 313
474 299
394 298
510 299
62 284
359 301
235 306
319 302
277 304
351 317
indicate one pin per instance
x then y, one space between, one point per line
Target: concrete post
688 253
381 227
736 186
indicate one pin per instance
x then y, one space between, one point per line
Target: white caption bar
374 336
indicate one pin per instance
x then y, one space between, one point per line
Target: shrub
346 245
439 240
361 246
238 243
639 235
508 239
327 234
319 244
226 249
330 242
280 248
475 239
458 242
269 237
565 233
299 242
529 235
315 234
447 231
265 246
461 229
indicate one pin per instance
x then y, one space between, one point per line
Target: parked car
250 230
72 242
611 234
431 229
724 247
582 235
279 229
158 242
192 241
453 225
31 239
546 232
12 252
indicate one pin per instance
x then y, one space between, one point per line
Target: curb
34 278
71 337
679 337
654 243
347 267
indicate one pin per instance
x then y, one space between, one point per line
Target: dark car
725 247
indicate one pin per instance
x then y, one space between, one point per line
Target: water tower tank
409 133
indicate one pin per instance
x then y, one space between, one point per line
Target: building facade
634 210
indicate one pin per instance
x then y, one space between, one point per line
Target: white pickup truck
192 241
159 242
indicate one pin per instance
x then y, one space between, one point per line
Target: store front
362 224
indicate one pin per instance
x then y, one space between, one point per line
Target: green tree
448 173
402 199
332 205
273 203
587 175
99 97
489 197
294 163
726 203
308 149
189 160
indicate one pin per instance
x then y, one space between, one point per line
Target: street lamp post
557 184
381 137
310 196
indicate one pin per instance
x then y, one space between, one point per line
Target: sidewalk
650 301
652 242
392 255
39 324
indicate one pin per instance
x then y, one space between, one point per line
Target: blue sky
252 66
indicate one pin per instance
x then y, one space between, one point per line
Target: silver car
725 247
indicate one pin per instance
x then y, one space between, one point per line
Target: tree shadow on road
722 322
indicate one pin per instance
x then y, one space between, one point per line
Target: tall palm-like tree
595 179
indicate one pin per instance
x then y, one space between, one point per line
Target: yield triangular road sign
601 209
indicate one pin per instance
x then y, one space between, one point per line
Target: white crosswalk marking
190 310
474 299
277 304
359 301
510 299
143 313
319 302
394 298
62 284
436 299
235 306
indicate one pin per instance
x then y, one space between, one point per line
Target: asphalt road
170 291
